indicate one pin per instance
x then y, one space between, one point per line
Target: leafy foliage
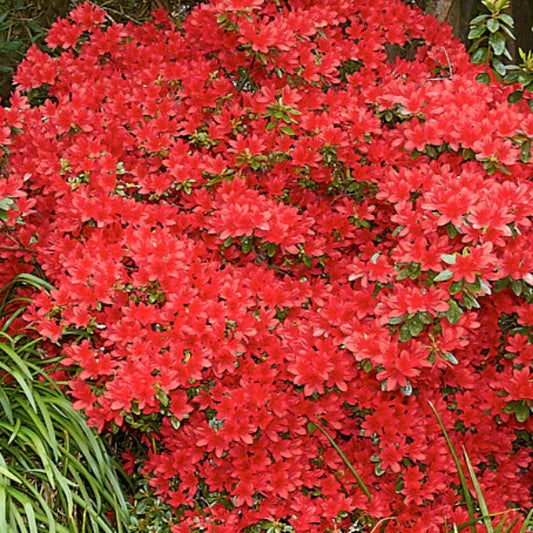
491 34
56 474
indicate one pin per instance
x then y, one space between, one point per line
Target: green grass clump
56 473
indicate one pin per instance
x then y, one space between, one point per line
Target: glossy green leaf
515 96
497 43
445 275
493 25
454 312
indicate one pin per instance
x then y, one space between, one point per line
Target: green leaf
449 259
33 281
424 317
271 250
247 245
506 19
476 33
501 284
375 257
486 288
397 230
521 411
515 96
493 25
405 334
408 389
456 287
393 321
287 130
414 270
479 56
497 43
470 301
403 274
516 286
519 408
6 203
498 66
476 20
5 472
415 327
509 33
445 275
448 356
524 77
474 288
454 312
525 151
483 77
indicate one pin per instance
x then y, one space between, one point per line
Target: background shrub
25 22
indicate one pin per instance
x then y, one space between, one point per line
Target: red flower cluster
283 214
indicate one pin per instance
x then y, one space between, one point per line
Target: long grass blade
29 279
12 318
491 515
30 515
348 464
528 521
16 427
481 500
5 472
5 404
46 427
23 384
509 528
3 506
462 478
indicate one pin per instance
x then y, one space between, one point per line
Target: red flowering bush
283 215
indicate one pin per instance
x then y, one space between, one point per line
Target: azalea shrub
279 222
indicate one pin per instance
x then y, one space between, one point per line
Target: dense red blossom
269 219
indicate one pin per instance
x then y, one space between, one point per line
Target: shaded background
23 22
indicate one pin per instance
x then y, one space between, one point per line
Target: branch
442 16
440 9
17 249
